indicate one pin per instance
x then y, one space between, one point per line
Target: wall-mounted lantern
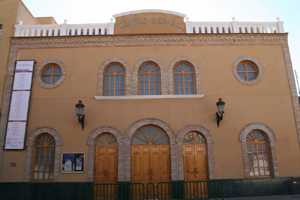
80 113
220 113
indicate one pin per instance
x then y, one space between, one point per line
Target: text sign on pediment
149 23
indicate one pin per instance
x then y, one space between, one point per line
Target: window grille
44 157
247 70
259 156
150 134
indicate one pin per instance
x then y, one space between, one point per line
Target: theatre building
128 108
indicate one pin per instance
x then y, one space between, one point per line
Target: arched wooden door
150 163
195 165
106 167
150 155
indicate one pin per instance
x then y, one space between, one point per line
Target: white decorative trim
149 97
255 61
149 11
58 30
40 71
272 139
234 27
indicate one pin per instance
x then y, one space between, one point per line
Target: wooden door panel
195 171
150 163
195 162
161 163
140 163
106 165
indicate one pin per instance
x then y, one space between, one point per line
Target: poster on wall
15 135
72 162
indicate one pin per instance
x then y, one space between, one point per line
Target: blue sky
99 11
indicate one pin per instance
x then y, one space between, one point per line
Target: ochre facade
13 12
266 104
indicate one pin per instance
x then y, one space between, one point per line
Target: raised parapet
149 22
63 30
234 27
146 22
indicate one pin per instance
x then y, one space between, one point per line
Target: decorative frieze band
151 40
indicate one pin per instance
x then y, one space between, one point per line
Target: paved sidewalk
289 197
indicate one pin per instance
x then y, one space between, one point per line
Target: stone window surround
135 75
30 147
40 71
101 70
171 75
272 139
252 59
209 142
104 71
131 76
139 80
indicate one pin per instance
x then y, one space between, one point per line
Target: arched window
150 134
184 77
194 138
247 71
114 80
105 139
43 157
259 155
149 79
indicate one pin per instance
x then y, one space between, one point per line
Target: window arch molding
194 63
166 128
149 75
272 142
209 142
101 70
253 60
135 73
30 146
123 151
40 72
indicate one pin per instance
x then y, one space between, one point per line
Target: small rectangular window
1 26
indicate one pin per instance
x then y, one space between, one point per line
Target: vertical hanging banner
19 106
